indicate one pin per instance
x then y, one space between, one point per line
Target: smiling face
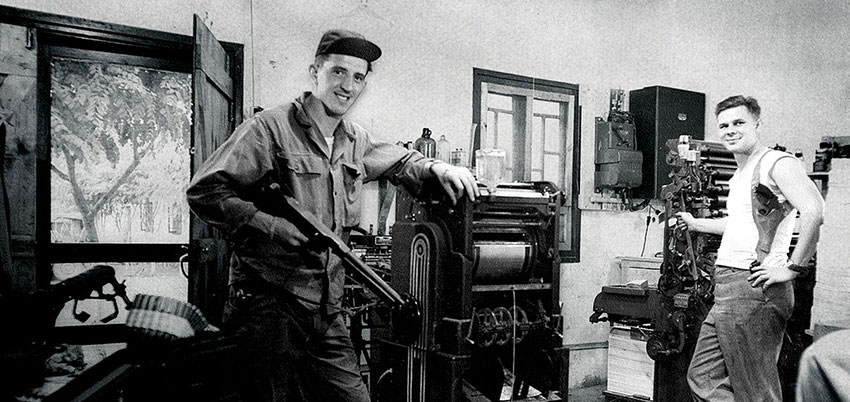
338 81
738 130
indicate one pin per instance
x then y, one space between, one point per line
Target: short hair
739 100
322 58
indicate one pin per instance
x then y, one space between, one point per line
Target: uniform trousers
296 354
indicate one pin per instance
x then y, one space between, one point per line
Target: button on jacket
284 144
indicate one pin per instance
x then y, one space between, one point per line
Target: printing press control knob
669 284
406 324
656 347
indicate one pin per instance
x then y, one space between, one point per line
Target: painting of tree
119 137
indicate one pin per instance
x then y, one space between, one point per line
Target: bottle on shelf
425 144
459 157
444 149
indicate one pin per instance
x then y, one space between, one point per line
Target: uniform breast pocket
353 181
305 173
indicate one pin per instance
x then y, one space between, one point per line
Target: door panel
213 121
18 117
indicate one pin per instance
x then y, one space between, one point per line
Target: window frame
506 83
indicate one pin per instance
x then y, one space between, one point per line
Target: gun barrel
309 224
372 281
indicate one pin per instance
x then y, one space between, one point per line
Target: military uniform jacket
284 144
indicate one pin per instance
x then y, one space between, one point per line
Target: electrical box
618 163
660 114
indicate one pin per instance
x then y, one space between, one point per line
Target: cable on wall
253 59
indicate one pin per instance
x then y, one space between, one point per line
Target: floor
589 394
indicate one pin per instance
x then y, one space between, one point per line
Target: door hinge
30 42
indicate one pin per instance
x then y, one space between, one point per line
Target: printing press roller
495 261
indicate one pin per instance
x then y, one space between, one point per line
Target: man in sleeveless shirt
740 340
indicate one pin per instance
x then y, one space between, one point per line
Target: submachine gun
677 306
406 316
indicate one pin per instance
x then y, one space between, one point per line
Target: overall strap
768 211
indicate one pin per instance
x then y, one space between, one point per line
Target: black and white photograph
425 201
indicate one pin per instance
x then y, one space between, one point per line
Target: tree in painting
119 136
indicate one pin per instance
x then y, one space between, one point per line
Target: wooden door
22 155
214 118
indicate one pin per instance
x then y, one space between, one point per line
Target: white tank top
740 238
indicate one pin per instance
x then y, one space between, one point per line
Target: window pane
552 169
566 229
536 175
553 135
119 153
161 279
489 137
506 136
536 156
547 107
566 183
496 101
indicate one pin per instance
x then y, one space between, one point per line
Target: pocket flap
305 164
352 169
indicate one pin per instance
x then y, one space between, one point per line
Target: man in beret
284 295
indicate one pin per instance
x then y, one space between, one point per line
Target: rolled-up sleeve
217 191
395 163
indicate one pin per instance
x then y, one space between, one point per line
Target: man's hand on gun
280 229
406 322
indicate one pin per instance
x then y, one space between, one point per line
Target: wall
229 20
787 53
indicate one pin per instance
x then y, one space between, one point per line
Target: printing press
674 309
486 275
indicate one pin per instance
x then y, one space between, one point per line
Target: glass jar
444 149
425 144
490 166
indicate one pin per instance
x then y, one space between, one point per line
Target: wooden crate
630 370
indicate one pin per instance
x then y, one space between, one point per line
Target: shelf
504 288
